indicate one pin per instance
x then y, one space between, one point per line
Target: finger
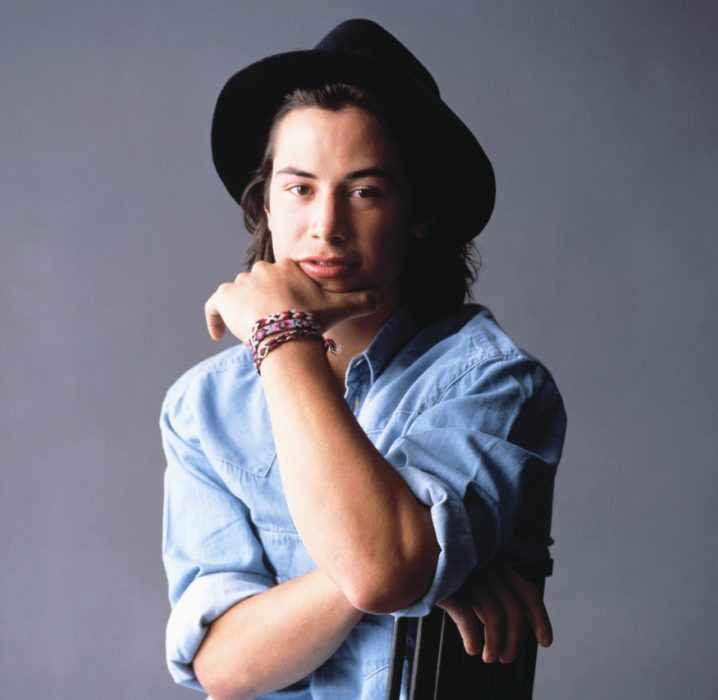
352 304
532 602
466 622
215 324
491 615
513 615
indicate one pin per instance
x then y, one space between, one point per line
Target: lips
324 268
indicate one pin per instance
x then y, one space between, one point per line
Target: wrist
301 354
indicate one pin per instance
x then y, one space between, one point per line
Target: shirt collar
392 336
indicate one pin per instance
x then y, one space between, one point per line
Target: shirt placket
358 381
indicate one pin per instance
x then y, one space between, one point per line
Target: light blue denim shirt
472 423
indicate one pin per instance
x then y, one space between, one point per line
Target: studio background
600 118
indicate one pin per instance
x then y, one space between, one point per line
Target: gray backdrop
600 118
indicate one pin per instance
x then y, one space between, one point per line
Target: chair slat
442 670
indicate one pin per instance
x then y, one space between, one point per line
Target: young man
311 493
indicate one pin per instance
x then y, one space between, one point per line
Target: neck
353 337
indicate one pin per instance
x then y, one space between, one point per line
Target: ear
424 225
421 230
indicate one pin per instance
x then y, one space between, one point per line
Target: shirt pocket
233 458
257 484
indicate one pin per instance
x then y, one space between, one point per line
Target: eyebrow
353 175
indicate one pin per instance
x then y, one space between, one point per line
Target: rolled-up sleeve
211 554
483 456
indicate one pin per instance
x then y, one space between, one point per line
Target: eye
299 190
364 193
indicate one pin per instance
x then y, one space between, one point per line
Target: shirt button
356 405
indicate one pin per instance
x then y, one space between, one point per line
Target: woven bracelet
281 328
280 322
296 334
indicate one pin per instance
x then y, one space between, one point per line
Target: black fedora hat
361 53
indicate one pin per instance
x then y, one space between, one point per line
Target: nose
328 220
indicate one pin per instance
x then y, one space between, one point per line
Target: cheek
389 251
282 226
394 240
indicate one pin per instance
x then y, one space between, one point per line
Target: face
338 202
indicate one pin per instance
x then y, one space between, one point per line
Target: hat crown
364 38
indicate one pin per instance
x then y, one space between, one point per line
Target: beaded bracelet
264 350
286 326
277 323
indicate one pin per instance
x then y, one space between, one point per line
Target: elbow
382 598
380 590
395 574
379 602
220 689
219 684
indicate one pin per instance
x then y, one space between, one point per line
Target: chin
329 284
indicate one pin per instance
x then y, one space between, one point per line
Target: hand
499 598
273 287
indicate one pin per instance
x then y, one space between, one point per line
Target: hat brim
459 171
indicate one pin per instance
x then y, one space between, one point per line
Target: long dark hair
439 269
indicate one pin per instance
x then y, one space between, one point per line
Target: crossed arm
382 551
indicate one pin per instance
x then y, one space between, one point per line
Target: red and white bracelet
281 328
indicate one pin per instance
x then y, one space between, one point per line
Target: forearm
356 516
275 638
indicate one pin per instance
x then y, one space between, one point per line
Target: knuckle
491 616
466 620
259 266
513 617
367 299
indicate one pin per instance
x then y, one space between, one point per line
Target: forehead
332 137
